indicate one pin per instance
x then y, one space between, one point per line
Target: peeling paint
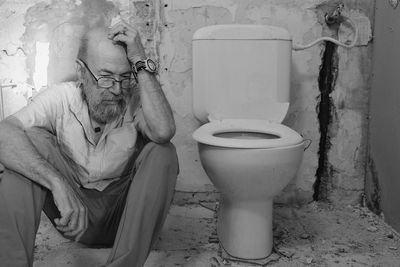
184 4
18 51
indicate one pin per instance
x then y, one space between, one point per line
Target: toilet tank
241 72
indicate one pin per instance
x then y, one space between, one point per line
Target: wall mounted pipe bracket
336 18
394 3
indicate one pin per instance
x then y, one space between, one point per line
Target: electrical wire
330 39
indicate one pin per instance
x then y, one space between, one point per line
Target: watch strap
140 65
146 64
134 72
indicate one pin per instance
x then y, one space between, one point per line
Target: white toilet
241 85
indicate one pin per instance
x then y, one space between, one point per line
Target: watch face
151 65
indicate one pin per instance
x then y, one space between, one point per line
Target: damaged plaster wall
13 56
342 158
167 27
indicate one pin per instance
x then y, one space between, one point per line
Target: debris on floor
312 235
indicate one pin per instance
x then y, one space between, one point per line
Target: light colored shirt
61 110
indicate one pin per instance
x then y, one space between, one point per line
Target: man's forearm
159 124
17 153
156 109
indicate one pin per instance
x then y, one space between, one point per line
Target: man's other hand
74 217
125 33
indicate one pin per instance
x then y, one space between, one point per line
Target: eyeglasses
107 82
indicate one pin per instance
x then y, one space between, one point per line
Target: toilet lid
236 133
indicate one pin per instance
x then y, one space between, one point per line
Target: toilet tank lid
242 32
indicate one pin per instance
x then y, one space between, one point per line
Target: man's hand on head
125 33
158 121
74 217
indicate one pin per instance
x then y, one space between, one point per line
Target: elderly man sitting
93 154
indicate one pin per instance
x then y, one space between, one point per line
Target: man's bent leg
150 195
21 203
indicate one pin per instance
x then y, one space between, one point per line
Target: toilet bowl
241 85
249 162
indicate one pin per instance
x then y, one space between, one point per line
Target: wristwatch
146 64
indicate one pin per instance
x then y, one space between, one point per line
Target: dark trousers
127 215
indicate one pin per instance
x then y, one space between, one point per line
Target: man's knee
18 192
11 180
160 161
162 153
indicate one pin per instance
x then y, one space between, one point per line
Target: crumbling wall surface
167 27
348 130
13 56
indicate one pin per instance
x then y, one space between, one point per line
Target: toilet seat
286 136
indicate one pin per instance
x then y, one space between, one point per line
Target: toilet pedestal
245 228
248 180
244 148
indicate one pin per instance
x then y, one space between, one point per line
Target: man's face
105 60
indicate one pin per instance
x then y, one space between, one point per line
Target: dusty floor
313 235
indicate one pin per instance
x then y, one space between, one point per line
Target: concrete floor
312 235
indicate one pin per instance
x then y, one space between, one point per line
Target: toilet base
245 228
258 262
